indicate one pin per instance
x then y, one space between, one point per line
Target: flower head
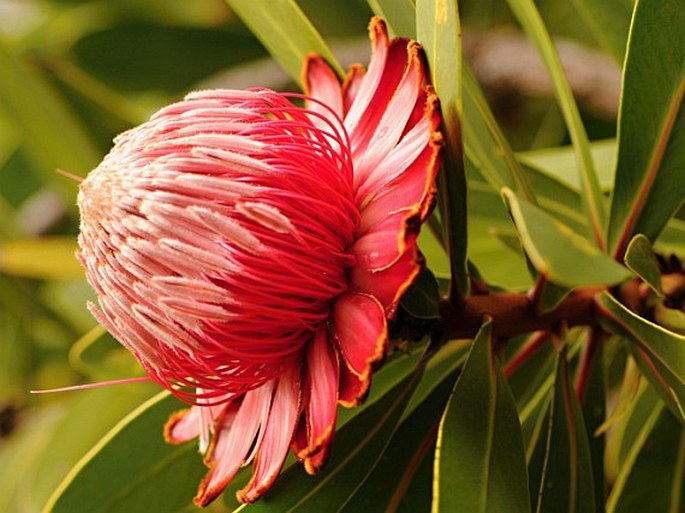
249 252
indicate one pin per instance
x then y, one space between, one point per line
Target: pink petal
185 425
182 426
417 152
361 130
321 83
387 240
278 434
360 328
366 89
235 436
414 187
352 84
387 123
322 409
388 285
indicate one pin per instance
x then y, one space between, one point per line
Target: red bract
249 252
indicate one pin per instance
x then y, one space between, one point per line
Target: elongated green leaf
415 438
609 21
485 145
176 57
550 296
659 353
400 15
552 194
358 447
594 413
477 469
422 300
533 384
52 438
438 30
560 469
560 163
641 260
672 239
132 469
558 253
41 258
651 156
640 400
593 203
285 31
47 124
651 479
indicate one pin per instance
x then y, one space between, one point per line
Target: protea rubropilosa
249 252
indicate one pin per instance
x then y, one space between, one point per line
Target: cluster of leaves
480 425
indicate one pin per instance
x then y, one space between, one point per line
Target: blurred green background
74 73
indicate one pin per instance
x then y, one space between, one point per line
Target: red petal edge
321 409
361 332
389 284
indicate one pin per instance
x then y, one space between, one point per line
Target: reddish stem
513 314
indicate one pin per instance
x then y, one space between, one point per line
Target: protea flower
250 252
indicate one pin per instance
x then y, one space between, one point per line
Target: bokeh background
75 73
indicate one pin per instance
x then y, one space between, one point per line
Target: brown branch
513 314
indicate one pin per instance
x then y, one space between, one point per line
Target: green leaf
400 15
641 260
672 238
609 21
358 446
552 195
422 300
651 151
659 353
560 468
477 469
285 31
594 412
637 403
669 318
53 437
47 258
549 296
387 486
490 230
498 265
438 29
485 145
132 469
593 203
651 478
434 253
100 357
52 135
175 57
560 163
564 257
532 385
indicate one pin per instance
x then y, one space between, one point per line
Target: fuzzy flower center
217 235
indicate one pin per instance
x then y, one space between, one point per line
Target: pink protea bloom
249 252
